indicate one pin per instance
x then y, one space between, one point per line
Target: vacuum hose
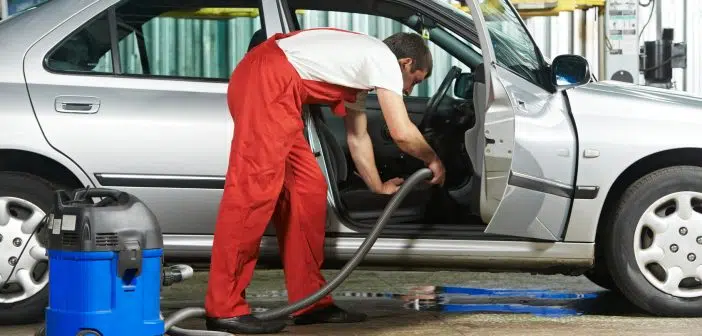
187 313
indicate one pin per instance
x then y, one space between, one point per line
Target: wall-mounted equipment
660 57
622 41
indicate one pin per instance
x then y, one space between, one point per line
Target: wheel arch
667 158
22 161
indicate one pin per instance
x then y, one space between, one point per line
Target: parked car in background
548 171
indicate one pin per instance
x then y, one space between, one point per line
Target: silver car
549 170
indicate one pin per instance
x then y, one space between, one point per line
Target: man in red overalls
273 173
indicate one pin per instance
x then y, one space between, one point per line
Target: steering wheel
435 101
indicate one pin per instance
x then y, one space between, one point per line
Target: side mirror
463 88
569 71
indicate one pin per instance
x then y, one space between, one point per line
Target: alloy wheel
668 244
23 261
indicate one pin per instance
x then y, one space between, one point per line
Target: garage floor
407 303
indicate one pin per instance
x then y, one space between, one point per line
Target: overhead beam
533 8
526 8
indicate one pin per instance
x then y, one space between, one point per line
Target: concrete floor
407 303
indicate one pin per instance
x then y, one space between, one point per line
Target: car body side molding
552 187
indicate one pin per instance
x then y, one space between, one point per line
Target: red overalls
272 173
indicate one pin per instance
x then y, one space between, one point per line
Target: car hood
634 96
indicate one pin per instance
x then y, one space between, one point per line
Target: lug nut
17 242
699 239
691 257
13 261
683 230
673 248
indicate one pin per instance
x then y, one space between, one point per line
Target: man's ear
406 62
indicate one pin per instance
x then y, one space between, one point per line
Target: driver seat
360 203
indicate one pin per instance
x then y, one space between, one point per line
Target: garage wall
189 48
211 49
577 33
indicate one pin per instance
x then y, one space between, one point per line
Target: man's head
414 57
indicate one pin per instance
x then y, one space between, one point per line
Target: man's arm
402 130
361 148
405 133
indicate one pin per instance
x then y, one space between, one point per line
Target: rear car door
125 90
528 142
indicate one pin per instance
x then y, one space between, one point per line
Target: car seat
258 37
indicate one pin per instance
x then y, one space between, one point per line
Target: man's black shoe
246 324
330 314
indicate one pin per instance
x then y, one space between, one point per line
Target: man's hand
437 168
391 186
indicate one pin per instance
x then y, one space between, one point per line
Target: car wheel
654 245
24 202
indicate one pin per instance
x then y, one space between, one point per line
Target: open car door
515 198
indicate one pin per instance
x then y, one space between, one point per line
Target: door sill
411 253
442 232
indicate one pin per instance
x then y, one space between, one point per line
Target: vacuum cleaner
112 253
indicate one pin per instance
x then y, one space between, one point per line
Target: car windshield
514 48
16 8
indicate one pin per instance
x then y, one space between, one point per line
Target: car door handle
77 104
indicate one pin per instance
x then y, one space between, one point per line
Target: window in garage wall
179 47
175 47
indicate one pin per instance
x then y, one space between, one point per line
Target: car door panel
529 151
541 178
165 140
546 146
509 206
168 143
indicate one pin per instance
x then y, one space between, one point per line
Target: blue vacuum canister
105 263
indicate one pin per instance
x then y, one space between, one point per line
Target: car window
513 46
162 41
83 50
381 27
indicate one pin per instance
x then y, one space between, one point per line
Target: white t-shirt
344 58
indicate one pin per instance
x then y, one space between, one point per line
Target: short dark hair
409 45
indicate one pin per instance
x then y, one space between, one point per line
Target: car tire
40 193
599 275
658 193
